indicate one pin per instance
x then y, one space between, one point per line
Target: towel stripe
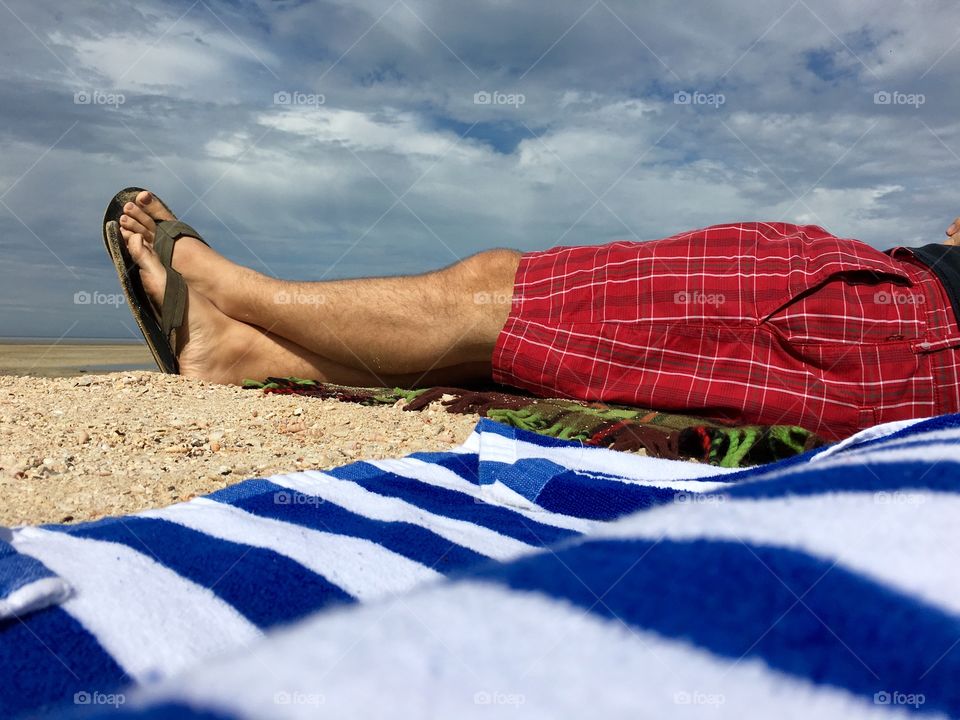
502 445
26 584
405 539
563 491
863 477
364 503
853 529
48 660
286 590
451 503
146 604
894 432
742 601
416 469
362 568
546 654
464 465
17 571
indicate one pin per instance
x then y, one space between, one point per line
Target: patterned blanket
657 434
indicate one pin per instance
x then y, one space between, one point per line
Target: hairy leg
212 346
400 326
388 325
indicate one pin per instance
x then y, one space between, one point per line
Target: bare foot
208 342
953 233
199 264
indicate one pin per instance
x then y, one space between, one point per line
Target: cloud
392 132
399 167
193 55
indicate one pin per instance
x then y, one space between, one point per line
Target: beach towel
519 573
157 592
25 583
618 427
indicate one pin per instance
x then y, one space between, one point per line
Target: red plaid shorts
765 323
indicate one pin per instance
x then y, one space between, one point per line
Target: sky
316 140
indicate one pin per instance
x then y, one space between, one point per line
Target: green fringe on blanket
617 427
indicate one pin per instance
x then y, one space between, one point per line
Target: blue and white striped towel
25 583
160 591
825 585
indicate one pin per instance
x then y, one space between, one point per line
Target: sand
78 448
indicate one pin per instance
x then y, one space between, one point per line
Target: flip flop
159 329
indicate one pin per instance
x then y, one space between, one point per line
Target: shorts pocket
832 261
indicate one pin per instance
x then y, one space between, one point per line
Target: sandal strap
168 232
174 305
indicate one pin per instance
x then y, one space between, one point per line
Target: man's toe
134 225
137 213
150 205
135 246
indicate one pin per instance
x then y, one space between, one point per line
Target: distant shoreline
69 341
52 358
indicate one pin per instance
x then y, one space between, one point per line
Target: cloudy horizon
328 139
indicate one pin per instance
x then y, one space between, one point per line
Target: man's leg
401 327
387 325
212 346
